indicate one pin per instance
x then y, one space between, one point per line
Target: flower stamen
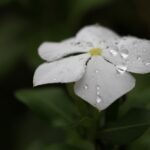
95 52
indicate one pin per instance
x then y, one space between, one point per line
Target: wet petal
97 35
66 70
103 83
51 51
136 52
131 52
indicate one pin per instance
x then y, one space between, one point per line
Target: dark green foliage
52 117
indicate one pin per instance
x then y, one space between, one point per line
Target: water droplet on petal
113 52
116 43
98 99
121 69
98 93
98 87
96 71
139 58
86 87
124 53
147 63
135 42
55 79
89 44
78 44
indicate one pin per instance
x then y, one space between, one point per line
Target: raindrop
78 44
98 93
116 43
98 99
98 87
95 62
135 42
89 44
86 87
147 63
121 69
139 58
124 38
113 52
124 53
55 79
96 71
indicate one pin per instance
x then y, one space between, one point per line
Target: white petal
133 53
66 70
96 34
111 53
138 60
51 51
102 83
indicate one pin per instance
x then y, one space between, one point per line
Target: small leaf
142 143
137 98
46 101
128 128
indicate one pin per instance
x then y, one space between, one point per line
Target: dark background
24 25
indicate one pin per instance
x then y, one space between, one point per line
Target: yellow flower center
95 52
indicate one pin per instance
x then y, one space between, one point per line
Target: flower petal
51 51
66 70
131 52
138 50
96 34
102 83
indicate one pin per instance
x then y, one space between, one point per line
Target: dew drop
121 69
147 63
89 44
55 79
98 93
78 44
98 87
96 71
116 43
124 53
98 99
139 58
113 52
86 87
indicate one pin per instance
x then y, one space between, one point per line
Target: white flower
98 61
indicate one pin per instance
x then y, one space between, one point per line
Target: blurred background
24 25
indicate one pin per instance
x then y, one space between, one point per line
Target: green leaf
59 146
76 139
137 99
33 133
142 143
46 101
128 128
